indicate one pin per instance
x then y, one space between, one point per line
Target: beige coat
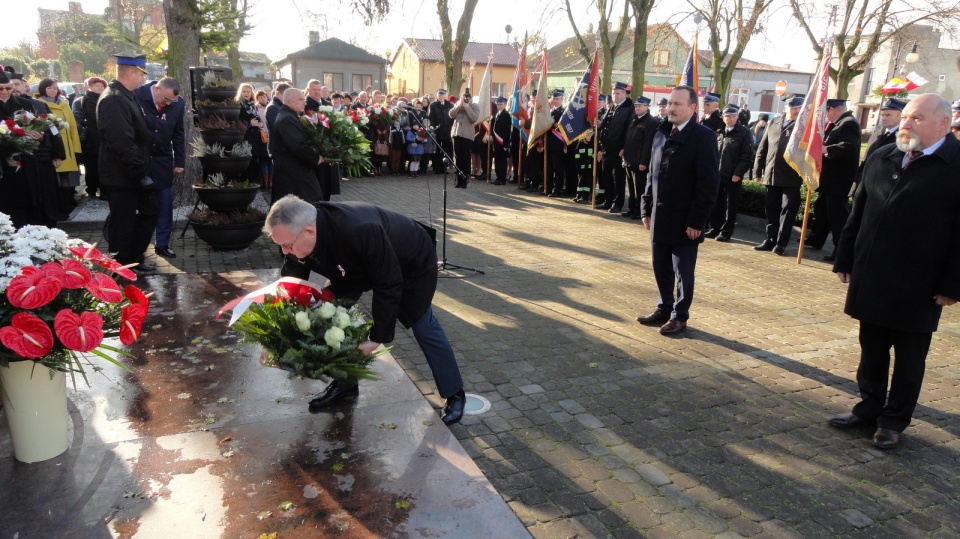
463 119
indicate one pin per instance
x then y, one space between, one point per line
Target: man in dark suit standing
841 159
502 138
361 247
613 134
556 149
439 115
735 144
900 276
273 109
295 159
781 180
681 191
636 153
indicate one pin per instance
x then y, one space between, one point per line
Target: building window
738 96
360 82
333 80
661 58
498 89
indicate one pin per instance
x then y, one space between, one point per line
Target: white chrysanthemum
10 267
327 310
333 337
341 320
325 109
303 321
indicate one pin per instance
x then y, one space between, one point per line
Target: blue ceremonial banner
517 110
690 76
579 115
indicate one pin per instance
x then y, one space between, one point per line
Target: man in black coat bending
681 191
361 247
900 253
735 144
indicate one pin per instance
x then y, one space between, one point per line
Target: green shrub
753 200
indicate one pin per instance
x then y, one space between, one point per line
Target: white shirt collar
681 126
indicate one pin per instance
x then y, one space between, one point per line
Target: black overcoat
294 159
769 162
165 126
364 247
613 127
124 140
683 182
639 141
736 151
901 243
841 156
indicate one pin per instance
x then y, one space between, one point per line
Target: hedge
752 201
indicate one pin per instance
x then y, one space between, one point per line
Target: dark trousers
461 153
615 175
724 215
636 183
892 410
533 168
673 269
133 218
447 146
436 348
781 210
500 155
557 167
830 213
91 174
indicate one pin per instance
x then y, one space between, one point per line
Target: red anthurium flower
81 332
31 289
28 336
131 322
53 270
94 255
88 253
104 288
75 274
138 301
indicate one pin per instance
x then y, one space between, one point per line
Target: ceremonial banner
518 112
911 82
804 150
582 108
690 76
541 122
484 97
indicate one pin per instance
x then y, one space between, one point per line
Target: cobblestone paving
601 427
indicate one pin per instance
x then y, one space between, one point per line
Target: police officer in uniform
711 112
636 154
502 139
556 148
613 134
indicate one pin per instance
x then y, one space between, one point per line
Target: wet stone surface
200 440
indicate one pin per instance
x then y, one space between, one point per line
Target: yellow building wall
409 80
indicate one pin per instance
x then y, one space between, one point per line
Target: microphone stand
442 264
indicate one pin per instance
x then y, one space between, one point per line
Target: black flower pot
230 113
227 198
218 93
229 237
230 167
225 137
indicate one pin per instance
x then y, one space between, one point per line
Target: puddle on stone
311 491
345 482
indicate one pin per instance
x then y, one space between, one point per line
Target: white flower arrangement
32 245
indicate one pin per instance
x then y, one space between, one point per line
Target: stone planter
230 167
225 137
218 93
227 199
230 113
35 404
229 237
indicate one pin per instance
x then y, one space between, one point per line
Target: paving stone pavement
601 427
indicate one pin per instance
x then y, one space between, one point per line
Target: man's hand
693 233
599 156
57 163
943 301
620 154
646 223
320 161
642 168
844 277
736 179
177 170
367 347
35 135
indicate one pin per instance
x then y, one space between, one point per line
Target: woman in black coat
251 116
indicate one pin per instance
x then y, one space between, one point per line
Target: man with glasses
163 110
125 151
361 247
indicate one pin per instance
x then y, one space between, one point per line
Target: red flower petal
75 274
88 253
104 288
94 255
116 267
53 270
81 332
28 336
31 289
136 296
131 322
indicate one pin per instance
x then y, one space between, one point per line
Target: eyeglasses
6 88
289 246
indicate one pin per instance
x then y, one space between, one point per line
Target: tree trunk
641 11
183 40
453 48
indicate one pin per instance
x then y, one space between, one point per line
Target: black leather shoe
814 246
723 236
779 251
555 194
712 233
636 217
655 318
672 327
830 257
767 245
165 252
143 267
846 421
584 200
453 410
886 439
615 209
335 392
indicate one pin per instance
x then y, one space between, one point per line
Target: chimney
314 37
74 7
786 66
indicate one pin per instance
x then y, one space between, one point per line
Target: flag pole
543 139
490 120
593 202
803 227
